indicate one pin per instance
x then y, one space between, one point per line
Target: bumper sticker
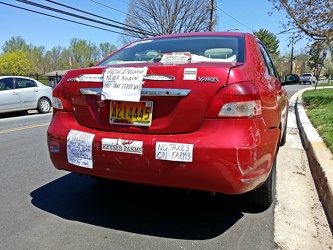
123 146
54 147
190 74
174 151
79 148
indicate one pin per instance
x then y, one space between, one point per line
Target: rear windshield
193 49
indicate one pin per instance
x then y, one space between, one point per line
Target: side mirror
291 79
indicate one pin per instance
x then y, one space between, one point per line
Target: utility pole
211 8
292 54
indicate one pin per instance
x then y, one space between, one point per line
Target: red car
202 111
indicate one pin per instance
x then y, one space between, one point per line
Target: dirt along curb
320 159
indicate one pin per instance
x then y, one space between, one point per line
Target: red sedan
202 111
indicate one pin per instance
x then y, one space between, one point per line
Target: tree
313 18
160 17
36 55
269 40
328 67
81 53
53 59
92 54
106 49
15 63
15 44
315 54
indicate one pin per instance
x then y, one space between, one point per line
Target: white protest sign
174 151
123 84
79 148
175 58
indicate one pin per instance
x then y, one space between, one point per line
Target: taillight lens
60 99
236 100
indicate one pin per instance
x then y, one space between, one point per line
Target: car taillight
236 100
60 99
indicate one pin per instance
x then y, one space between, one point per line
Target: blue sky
40 30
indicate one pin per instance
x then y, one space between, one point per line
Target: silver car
18 93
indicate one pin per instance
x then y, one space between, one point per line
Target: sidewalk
319 156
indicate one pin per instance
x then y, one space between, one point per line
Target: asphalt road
43 208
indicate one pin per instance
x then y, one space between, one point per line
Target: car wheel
265 195
43 106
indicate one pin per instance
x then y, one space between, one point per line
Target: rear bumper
229 156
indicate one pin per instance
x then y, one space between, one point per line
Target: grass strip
319 108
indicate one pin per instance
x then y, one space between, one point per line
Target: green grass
319 108
323 84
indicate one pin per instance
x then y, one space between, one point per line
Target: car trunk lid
177 95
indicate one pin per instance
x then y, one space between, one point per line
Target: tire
265 195
44 105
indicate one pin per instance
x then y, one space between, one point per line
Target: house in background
54 77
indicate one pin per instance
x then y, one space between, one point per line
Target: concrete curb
319 156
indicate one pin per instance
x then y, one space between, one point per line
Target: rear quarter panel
254 70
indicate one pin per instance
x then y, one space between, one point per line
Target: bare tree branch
169 16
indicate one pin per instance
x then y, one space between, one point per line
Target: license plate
131 113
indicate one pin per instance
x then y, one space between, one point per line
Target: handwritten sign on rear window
174 151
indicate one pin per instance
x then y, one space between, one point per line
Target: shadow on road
155 211
18 114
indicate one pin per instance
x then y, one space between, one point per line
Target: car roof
17 77
206 33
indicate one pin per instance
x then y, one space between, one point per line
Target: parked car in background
203 111
322 78
292 79
18 93
307 78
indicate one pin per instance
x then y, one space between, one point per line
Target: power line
77 16
234 18
72 21
239 9
69 7
109 7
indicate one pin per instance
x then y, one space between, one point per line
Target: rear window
196 49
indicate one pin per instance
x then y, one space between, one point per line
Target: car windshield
181 50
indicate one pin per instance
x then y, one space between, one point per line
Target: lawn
319 108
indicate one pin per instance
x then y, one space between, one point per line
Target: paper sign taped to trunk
123 84
174 151
79 148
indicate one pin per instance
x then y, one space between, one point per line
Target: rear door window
24 83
